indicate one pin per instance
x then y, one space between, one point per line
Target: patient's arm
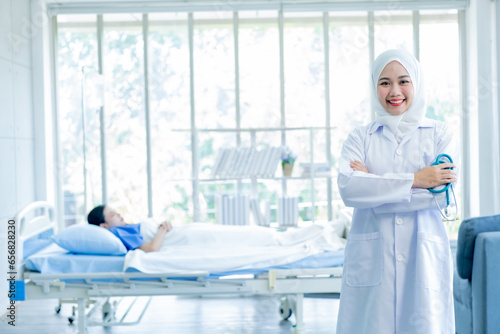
155 244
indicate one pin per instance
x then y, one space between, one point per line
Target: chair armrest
486 283
467 233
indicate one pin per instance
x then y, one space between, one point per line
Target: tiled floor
186 315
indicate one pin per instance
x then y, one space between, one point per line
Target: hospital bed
93 280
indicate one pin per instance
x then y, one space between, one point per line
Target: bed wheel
285 309
107 310
73 314
58 308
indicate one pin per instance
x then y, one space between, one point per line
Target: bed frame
288 284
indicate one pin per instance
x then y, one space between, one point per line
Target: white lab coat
398 266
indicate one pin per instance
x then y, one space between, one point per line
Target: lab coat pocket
363 259
430 261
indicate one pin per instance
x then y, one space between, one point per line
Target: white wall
17 171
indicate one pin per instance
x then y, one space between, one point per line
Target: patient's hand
166 225
358 166
155 244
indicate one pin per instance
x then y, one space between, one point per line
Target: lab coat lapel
426 123
386 131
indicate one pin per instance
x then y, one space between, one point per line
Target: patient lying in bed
106 217
221 248
216 248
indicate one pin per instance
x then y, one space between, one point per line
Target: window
439 56
259 69
304 64
124 114
208 80
350 82
77 59
169 101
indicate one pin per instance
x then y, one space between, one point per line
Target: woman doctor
398 268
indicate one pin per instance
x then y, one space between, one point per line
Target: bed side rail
273 275
34 219
125 276
136 283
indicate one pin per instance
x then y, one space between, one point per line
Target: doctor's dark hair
96 215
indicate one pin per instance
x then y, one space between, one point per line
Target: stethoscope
446 215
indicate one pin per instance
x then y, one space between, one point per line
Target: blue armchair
476 282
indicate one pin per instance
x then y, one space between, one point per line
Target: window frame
194 130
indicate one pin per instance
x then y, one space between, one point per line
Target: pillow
89 239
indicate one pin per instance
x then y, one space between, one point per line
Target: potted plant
288 158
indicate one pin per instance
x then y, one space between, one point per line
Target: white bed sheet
220 248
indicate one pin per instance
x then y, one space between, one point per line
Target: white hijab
405 123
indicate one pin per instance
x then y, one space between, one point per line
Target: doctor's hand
432 176
358 166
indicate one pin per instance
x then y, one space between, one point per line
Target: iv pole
83 144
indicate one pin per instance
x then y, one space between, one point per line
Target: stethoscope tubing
446 189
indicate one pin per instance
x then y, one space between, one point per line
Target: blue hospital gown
130 235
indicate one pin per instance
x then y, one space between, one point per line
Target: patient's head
106 217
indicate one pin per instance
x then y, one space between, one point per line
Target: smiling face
395 89
112 218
